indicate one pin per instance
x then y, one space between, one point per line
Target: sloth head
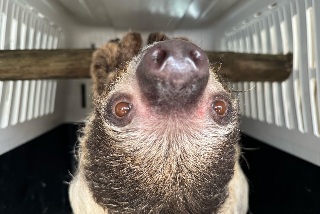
162 135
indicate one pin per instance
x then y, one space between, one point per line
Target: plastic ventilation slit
276 87
38 34
55 40
257 46
252 85
14 27
3 22
236 49
310 40
48 97
31 100
241 43
14 114
241 97
315 107
23 30
240 48
32 23
246 87
24 101
245 96
248 39
43 96
273 36
253 99
237 86
235 44
25 84
268 99
50 39
286 85
36 112
312 68
44 37
53 96
229 43
295 71
304 74
6 103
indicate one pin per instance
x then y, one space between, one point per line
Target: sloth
163 135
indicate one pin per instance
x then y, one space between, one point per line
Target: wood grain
238 67
45 64
75 63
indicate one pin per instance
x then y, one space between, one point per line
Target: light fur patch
237 201
81 199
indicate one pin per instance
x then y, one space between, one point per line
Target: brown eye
122 109
219 107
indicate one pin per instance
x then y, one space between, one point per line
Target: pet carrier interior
285 115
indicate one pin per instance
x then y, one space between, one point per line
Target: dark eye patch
118 110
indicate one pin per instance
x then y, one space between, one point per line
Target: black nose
173 73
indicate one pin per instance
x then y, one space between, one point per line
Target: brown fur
183 38
162 164
156 37
103 66
129 46
159 36
110 57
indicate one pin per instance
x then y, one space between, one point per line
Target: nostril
195 56
159 56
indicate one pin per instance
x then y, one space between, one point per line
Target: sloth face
162 136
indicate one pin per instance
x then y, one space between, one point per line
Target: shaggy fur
156 37
151 162
110 57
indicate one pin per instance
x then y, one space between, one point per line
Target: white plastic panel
146 15
291 107
13 136
301 145
74 109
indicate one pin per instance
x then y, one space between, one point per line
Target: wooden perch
75 63
238 67
45 64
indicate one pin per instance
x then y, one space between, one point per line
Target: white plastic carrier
285 115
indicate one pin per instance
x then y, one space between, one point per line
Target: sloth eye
219 107
122 109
